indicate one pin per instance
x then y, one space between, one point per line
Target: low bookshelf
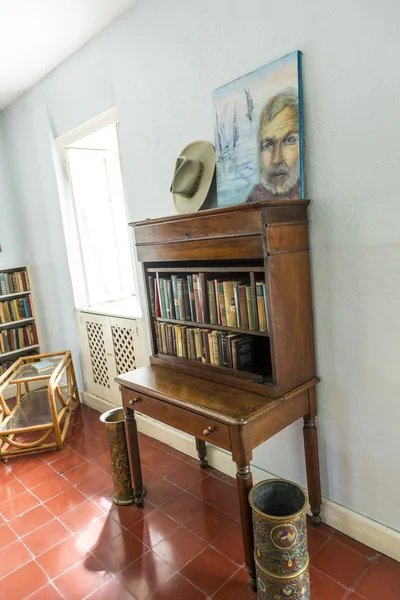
18 333
229 294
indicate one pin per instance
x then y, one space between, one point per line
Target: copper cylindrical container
114 421
280 540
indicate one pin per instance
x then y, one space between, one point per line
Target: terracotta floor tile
209 523
325 588
12 557
80 439
185 457
129 515
7 536
218 493
316 539
161 492
161 446
95 484
187 476
238 588
62 557
65 501
149 456
37 476
357 546
67 462
18 506
150 477
340 562
81 473
22 582
27 464
120 552
93 449
52 456
145 575
84 578
223 477
166 465
81 516
102 461
230 543
178 588
382 580
47 593
209 570
112 590
179 548
354 596
104 499
99 533
322 527
6 476
11 490
31 520
51 488
46 537
154 527
183 507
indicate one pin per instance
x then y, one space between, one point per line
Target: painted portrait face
279 152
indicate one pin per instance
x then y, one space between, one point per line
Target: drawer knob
187 233
133 401
208 431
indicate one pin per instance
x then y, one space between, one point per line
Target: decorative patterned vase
114 421
280 540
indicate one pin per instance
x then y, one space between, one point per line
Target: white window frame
68 209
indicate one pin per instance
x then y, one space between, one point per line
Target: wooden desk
227 417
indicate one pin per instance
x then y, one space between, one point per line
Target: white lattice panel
98 355
124 348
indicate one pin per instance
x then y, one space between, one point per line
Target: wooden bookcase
16 313
265 241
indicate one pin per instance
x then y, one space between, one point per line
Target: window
98 211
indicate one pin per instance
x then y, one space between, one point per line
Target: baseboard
364 530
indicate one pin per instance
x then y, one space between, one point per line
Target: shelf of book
19 351
15 295
19 322
212 326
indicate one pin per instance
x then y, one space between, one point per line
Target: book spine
174 279
221 302
244 353
262 322
162 298
237 305
170 296
192 303
197 297
150 280
181 299
234 355
230 307
186 301
250 309
217 302
265 304
212 305
198 344
224 337
184 342
244 318
157 298
211 347
215 347
163 339
3 285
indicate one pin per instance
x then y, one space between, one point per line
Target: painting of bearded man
258 134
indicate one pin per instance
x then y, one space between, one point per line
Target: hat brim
205 152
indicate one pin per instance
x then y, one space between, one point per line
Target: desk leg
202 453
312 458
134 457
244 481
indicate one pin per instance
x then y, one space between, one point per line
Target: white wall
159 64
12 248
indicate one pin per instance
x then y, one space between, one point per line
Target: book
198 343
212 304
43 365
157 298
181 299
162 297
250 308
174 279
265 303
244 317
236 285
170 299
198 297
221 302
229 339
262 320
215 347
150 279
243 353
192 304
186 301
230 307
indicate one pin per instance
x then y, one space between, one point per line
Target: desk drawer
185 420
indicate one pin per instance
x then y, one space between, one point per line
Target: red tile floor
61 536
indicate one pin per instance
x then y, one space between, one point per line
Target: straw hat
194 170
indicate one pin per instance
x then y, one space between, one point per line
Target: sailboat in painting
226 144
250 105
